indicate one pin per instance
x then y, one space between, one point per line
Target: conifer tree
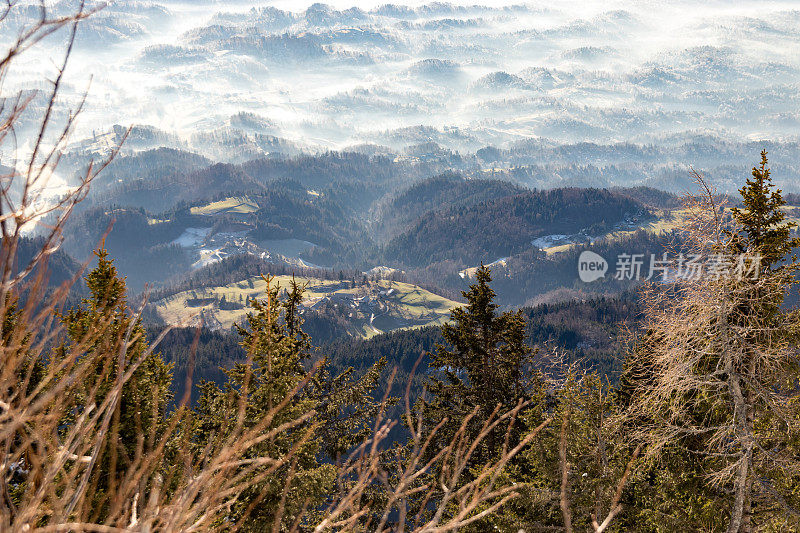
483 365
720 381
321 416
763 228
107 334
255 390
346 407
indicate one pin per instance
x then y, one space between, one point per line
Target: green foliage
485 359
762 221
483 367
213 351
105 333
314 418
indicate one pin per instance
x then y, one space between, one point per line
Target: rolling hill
365 308
394 213
498 228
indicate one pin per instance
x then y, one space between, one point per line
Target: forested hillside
393 214
492 229
422 268
456 224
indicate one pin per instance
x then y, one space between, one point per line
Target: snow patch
548 241
192 237
382 271
469 273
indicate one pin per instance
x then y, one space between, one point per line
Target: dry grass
60 410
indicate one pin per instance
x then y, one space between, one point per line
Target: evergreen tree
346 407
763 228
484 365
575 474
765 233
324 417
253 392
712 387
106 333
484 360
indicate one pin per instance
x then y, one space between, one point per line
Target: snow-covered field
192 237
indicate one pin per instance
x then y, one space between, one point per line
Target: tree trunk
566 511
743 432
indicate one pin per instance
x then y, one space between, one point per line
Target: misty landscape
412 266
568 94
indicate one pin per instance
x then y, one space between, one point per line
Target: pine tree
484 365
254 391
487 356
765 233
579 470
105 331
346 407
324 416
762 225
717 381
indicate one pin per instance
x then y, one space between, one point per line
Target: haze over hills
410 141
503 86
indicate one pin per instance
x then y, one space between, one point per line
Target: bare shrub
718 364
